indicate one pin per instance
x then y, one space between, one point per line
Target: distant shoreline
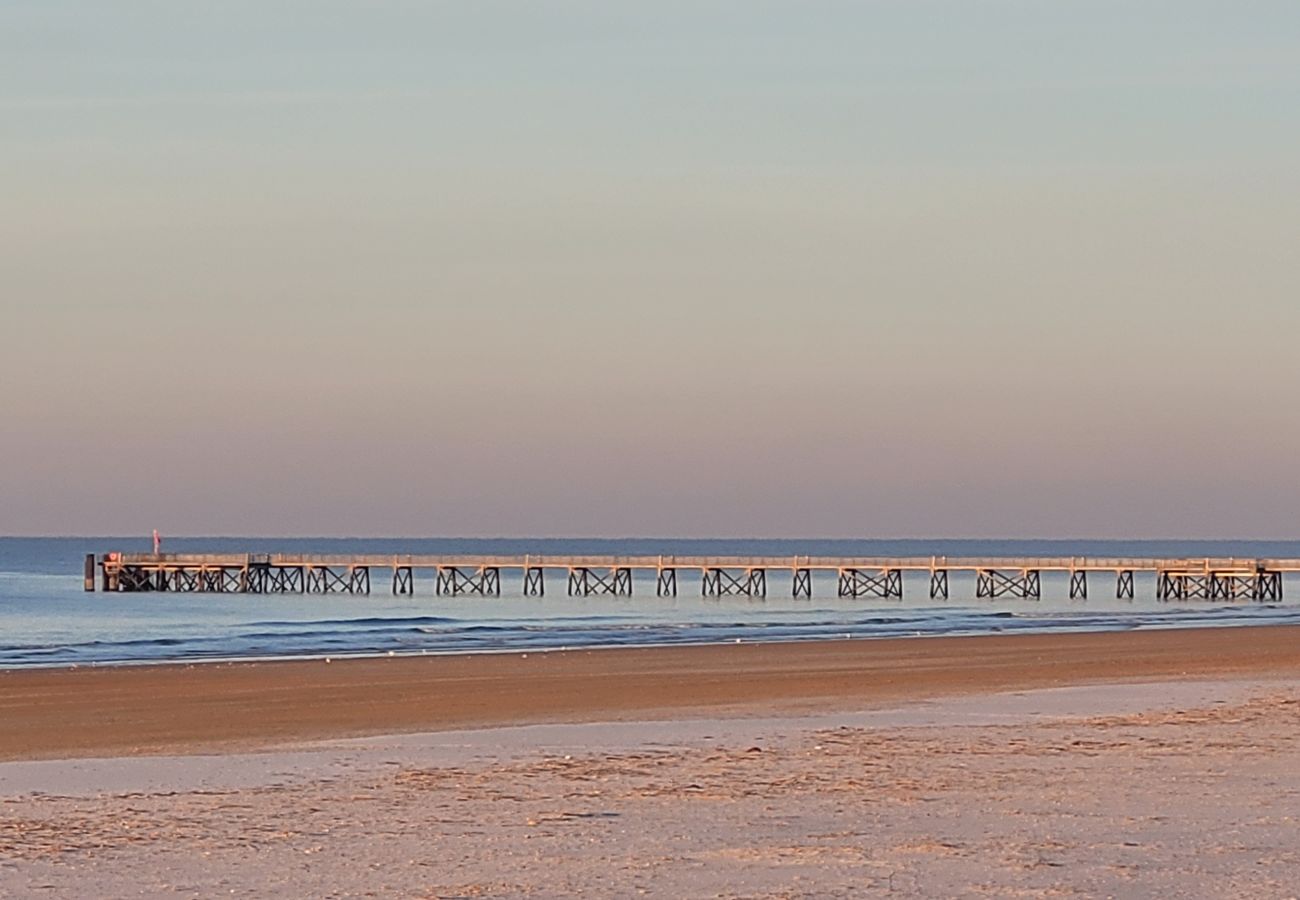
215 707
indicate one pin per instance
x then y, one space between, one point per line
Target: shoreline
151 709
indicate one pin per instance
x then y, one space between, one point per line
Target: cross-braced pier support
318 580
225 580
200 580
1173 585
1079 585
1234 585
1124 585
1269 586
403 580
666 583
802 584
295 580
725 582
183 580
584 582
457 581
885 584
135 579
993 583
939 584
534 581
255 577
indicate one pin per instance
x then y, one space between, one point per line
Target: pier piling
802 584
666 583
858 583
991 584
1078 585
722 582
585 582
939 584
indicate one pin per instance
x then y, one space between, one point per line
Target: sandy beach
56 713
1161 763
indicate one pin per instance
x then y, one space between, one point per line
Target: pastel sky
684 269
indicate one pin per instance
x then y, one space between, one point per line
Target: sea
47 619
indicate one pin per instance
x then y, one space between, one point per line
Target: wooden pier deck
882 577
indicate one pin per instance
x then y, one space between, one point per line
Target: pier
717 576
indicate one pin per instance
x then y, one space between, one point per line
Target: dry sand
947 767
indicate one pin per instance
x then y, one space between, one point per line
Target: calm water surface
46 619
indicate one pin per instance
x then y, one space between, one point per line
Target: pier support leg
1033 586
453 581
1197 587
403 580
802 586
1174 585
1233 586
223 580
623 582
447 582
578 586
294 580
991 584
534 582
1124 585
89 571
1079 585
134 579
584 582
1269 586
711 583
723 583
323 579
1166 586
666 583
885 585
939 584
1257 585
358 580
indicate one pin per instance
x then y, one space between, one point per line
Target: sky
734 269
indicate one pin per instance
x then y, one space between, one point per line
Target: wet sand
212 707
